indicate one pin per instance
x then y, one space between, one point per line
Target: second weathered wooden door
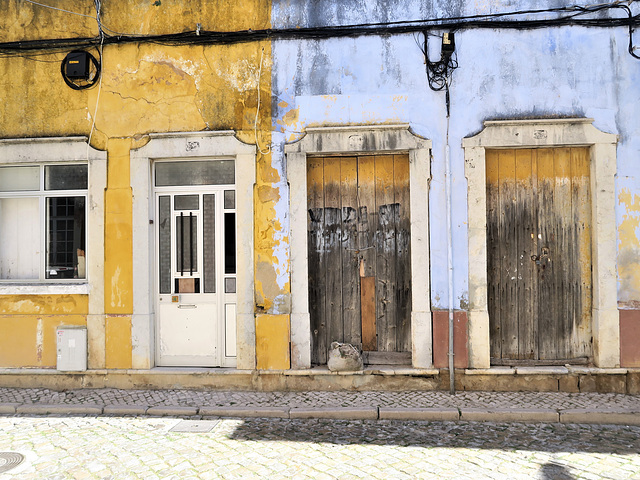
359 258
539 255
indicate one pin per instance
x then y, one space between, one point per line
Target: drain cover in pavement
194 426
9 460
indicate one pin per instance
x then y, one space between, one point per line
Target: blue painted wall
502 74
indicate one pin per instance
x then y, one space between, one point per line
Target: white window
43 211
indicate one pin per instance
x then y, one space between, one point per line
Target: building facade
236 185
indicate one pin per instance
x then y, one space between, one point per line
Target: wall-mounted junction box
72 348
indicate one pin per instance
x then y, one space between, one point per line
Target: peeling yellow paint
145 88
44 304
629 247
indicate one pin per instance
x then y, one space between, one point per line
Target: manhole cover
194 426
9 460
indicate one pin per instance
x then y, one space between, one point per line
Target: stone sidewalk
549 407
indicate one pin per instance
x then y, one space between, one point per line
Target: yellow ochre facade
144 88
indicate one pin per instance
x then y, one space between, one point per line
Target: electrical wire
255 123
60 9
575 15
95 112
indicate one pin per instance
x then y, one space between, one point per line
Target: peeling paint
39 340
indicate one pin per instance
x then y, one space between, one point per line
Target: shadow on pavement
606 439
554 471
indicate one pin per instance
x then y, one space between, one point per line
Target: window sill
44 289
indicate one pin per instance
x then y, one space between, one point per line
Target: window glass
209 172
164 222
20 245
186 245
65 177
186 202
230 243
65 238
19 179
209 243
229 199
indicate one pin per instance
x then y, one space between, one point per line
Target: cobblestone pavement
425 399
107 447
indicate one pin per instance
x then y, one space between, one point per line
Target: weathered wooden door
539 255
359 262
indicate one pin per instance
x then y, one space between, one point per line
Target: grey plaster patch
194 426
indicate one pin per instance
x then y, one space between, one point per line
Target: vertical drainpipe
447 155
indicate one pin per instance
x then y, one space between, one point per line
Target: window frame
41 151
43 218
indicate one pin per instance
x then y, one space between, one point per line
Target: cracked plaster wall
507 74
155 88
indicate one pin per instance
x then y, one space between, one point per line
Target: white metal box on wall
72 348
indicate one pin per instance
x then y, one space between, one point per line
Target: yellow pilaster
272 342
118 256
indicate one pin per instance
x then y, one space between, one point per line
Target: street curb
62 409
172 411
242 412
611 417
429 414
8 408
526 415
125 409
463 414
339 413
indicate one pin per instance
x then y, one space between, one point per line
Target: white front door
196 272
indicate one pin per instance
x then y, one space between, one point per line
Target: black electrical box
77 65
448 44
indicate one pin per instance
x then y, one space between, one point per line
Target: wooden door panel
539 255
316 261
403 258
359 252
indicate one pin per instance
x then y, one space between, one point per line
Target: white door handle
187 306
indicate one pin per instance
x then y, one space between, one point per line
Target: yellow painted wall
28 324
272 341
145 88
118 341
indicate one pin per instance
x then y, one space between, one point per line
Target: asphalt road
107 447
